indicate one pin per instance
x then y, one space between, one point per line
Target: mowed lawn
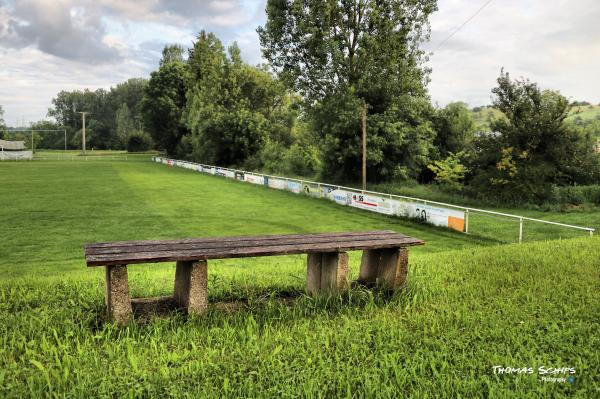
470 304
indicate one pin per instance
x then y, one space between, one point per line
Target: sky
52 45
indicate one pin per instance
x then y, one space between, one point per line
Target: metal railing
469 211
65 157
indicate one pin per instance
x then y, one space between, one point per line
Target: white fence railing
455 217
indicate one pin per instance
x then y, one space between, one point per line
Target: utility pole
83 114
364 145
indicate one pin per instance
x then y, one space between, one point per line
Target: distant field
471 304
482 118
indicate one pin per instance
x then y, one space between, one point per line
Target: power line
462 25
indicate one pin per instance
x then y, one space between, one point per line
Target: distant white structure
14 150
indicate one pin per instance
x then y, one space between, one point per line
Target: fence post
520 230
466 221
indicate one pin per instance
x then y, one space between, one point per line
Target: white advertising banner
294 186
278 184
341 197
254 179
372 203
311 189
225 173
437 216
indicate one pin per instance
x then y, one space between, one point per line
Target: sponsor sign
372 203
225 173
239 176
254 179
311 189
341 197
294 186
437 216
277 183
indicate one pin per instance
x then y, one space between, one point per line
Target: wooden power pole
364 145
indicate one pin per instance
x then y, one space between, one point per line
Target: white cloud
552 42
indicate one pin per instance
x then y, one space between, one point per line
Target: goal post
32 132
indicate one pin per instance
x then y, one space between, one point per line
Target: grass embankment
469 305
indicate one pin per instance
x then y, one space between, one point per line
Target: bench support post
327 272
118 302
191 286
385 267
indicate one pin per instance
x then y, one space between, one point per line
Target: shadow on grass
264 308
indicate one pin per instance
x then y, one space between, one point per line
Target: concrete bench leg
327 272
118 302
385 267
191 286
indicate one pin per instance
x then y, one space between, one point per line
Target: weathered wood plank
249 242
203 240
166 256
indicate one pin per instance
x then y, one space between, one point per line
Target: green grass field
471 303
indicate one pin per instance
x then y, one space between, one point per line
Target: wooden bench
384 262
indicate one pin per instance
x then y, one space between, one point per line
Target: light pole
364 145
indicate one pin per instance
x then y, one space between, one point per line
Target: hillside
482 117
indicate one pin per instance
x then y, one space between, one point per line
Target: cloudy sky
52 45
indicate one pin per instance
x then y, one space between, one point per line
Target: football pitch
471 304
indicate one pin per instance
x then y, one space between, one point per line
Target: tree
533 148
449 172
454 128
171 53
124 121
233 109
342 56
2 125
163 104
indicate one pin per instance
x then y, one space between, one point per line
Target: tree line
328 63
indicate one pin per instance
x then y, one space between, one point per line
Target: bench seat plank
239 247
248 242
203 240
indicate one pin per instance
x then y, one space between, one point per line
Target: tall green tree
454 127
532 148
343 55
172 53
233 109
125 123
163 104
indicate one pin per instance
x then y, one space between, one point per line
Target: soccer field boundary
460 218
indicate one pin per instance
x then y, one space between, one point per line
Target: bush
577 195
139 141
